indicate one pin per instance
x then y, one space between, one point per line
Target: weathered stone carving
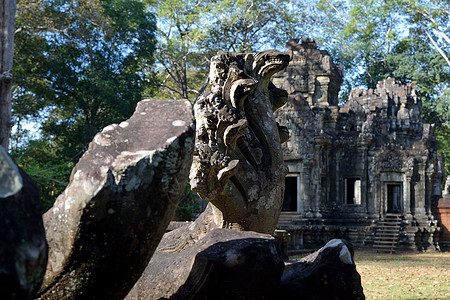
311 74
23 249
389 160
224 264
328 273
10 179
104 228
238 164
345 161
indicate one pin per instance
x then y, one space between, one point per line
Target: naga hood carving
238 164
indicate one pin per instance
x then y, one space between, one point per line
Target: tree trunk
7 23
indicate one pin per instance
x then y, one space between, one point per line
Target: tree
88 74
431 17
405 39
7 22
191 32
359 34
80 66
183 23
414 59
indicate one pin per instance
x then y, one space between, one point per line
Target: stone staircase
387 233
286 218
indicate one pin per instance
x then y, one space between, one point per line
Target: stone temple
358 170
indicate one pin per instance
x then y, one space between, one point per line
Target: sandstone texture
23 250
224 264
104 228
10 179
443 214
351 166
329 273
238 167
238 162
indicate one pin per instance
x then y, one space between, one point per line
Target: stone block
329 273
224 264
23 249
104 228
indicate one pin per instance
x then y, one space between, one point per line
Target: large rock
10 179
104 228
23 250
329 273
224 264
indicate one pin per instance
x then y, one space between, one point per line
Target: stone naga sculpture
238 164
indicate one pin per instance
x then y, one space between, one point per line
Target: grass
404 275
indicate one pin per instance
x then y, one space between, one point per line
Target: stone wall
443 214
350 165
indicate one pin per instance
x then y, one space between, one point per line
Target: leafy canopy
79 66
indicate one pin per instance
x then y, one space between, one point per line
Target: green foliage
443 138
191 32
182 25
189 206
79 66
430 18
359 35
246 26
91 72
404 39
41 162
366 36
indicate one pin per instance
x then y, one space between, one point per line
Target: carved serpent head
238 165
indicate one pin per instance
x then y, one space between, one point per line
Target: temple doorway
291 192
394 197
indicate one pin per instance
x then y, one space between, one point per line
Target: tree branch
433 21
51 179
438 48
169 90
39 28
6 77
202 89
340 16
443 35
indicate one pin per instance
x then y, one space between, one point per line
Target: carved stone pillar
407 199
306 187
322 90
364 187
420 190
430 175
338 179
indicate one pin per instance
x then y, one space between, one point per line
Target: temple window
352 191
